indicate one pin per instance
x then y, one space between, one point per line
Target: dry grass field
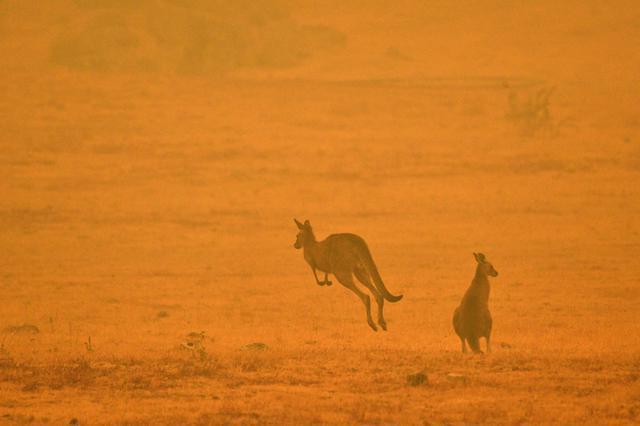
150 171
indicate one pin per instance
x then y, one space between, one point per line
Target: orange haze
154 154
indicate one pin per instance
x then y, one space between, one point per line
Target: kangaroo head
484 265
305 235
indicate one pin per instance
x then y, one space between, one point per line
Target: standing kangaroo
345 255
472 319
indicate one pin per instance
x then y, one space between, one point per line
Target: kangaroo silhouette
472 319
345 255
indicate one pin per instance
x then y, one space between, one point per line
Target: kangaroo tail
474 344
377 279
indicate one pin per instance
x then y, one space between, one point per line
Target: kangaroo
472 318
345 255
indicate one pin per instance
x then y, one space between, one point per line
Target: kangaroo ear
477 257
307 223
300 225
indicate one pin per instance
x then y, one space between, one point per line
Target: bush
531 114
192 36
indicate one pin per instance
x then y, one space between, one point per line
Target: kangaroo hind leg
363 276
346 279
488 327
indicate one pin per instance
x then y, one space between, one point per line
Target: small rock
457 378
417 379
256 346
193 346
74 421
194 341
163 314
505 345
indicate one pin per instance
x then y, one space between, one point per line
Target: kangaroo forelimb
325 281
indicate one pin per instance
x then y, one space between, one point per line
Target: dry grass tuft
21 329
532 115
417 379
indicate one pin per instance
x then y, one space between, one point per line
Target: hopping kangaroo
472 319
345 255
